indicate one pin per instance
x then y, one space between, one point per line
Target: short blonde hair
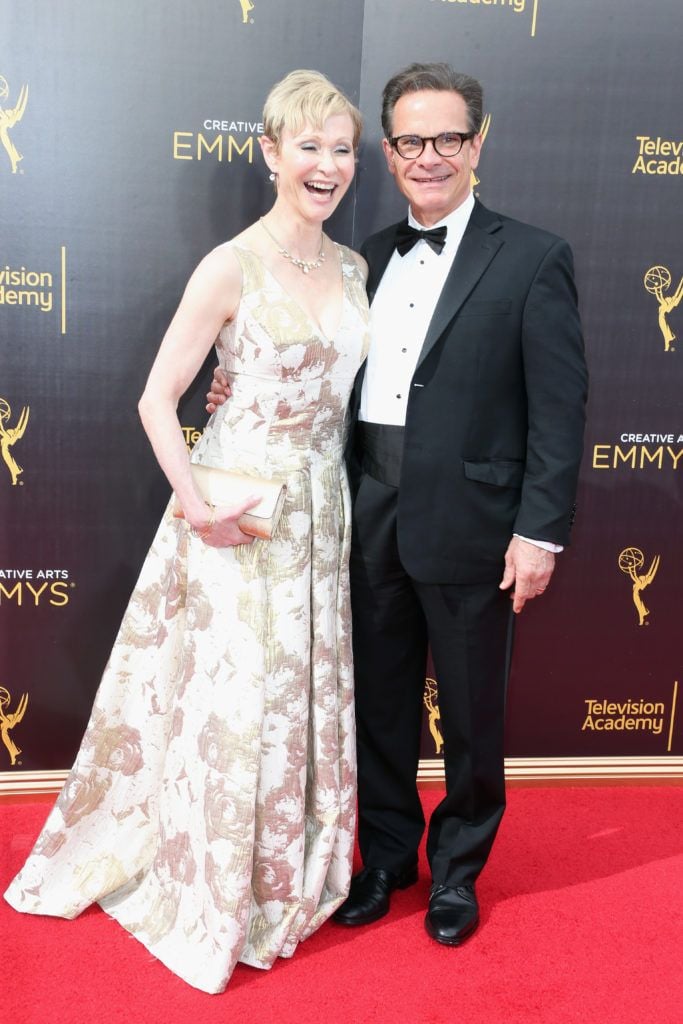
306 98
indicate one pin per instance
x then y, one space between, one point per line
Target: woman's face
315 166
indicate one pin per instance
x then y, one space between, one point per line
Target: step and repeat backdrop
128 149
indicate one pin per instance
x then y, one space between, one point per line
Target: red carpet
582 922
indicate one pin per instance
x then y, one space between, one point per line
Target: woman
211 806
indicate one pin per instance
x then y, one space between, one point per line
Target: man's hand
220 390
529 568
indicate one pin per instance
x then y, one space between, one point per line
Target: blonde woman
211 806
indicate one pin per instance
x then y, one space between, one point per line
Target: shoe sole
405 883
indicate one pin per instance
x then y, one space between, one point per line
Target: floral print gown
211 808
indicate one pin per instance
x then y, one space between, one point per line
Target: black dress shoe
368 898
453 914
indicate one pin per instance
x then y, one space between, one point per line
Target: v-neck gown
211 808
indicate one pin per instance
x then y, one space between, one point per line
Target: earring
272 176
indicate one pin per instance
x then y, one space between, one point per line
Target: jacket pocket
498 472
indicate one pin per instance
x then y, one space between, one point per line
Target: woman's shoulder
244 249
224 266
221 264
217 280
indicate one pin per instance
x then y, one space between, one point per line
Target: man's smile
431 180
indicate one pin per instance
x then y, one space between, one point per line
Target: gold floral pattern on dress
118 748
220 811
159 919
98 877
217 744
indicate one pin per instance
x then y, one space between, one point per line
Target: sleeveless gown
211 807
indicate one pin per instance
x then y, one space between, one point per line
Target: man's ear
389 155
475 150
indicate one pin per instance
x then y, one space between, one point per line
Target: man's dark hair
440 78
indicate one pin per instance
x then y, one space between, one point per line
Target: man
469 431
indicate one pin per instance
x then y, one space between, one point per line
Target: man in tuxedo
469 429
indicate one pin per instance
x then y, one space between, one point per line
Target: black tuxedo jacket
494 427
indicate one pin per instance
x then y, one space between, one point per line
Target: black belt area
379 447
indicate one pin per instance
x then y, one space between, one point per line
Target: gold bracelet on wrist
206 530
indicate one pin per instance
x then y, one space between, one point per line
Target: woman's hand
220 528
220 390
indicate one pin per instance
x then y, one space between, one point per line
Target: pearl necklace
305 266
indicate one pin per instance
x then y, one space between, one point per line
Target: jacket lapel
478 247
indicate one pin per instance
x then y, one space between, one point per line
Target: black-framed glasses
445 144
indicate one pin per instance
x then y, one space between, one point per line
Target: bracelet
206 530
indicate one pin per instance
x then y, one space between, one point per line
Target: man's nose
429 155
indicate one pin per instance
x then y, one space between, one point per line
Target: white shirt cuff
545 544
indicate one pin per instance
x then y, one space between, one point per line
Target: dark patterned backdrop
128 149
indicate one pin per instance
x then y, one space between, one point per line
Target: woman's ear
270 153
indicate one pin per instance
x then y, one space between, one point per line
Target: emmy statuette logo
483 131
431 703
246 6
8 719
9 117
631 560
657 280
9 437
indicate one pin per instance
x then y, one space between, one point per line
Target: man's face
434 185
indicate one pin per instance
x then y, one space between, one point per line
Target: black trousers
468 628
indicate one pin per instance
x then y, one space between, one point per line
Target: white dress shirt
399 319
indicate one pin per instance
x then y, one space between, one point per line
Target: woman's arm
210 299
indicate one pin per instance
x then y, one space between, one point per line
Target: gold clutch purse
227 487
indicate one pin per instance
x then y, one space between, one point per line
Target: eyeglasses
445 144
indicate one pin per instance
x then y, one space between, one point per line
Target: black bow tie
407 236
